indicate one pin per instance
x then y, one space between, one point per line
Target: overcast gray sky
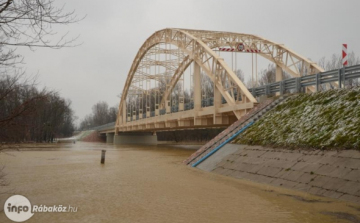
114 30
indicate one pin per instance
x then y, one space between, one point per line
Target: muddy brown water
150 184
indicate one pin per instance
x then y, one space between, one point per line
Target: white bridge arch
231 98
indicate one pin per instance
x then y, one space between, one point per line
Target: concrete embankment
85 136
319 137
92 136
334 174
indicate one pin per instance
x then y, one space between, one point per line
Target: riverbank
323 120
29 146
333 174
150 184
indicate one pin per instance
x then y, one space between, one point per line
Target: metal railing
236 127
296 84
104 127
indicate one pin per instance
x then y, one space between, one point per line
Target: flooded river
150 184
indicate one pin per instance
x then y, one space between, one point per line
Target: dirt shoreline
27 146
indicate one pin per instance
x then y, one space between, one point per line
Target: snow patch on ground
329 119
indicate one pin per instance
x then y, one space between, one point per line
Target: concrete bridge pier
146 138
110 137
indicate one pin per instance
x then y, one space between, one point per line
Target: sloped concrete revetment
334 174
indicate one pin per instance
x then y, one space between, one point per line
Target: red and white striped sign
344 55
232 50
226 49
252 51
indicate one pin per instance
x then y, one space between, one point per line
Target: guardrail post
281 87
252 92
298 85
341 77
267 90
317 82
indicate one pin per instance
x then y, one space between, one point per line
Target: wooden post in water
103 156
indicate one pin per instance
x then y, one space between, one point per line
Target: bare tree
27 113
101 114
240 74
28 23
17 99
31 23
112 114
335 62
268 75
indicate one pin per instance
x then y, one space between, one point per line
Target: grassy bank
323 120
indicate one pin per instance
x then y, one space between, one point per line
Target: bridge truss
154 96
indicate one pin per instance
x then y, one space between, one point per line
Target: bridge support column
217 105
197 121
221 119
110 137
124 115
142 138
279 71
217 119
197 93
168 106
278 76
197 87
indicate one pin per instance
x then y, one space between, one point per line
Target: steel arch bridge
154 99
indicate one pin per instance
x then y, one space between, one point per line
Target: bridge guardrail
297 83
292 84
104 127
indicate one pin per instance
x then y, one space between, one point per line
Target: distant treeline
26 112
30 114
101 114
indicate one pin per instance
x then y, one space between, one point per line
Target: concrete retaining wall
147 139
110 137
334 174
93 137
